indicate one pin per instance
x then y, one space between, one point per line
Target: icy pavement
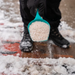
11 29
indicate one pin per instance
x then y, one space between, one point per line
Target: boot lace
56 33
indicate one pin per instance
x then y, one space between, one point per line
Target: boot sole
60 45
27 50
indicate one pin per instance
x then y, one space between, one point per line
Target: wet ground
67 8
9 11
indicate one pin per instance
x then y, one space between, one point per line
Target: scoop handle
37 15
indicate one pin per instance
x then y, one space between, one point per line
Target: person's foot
58 39
26 44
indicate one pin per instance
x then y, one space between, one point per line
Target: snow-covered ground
11 28
27 66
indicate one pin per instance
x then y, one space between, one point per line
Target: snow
30 66
67 31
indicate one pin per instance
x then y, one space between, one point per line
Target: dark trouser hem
53 24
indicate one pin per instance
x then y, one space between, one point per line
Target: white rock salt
39 31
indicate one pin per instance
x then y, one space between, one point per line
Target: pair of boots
26 44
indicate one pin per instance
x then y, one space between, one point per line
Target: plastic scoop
38 19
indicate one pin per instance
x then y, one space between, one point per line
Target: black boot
58 39
26 44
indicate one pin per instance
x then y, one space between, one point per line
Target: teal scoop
38 19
